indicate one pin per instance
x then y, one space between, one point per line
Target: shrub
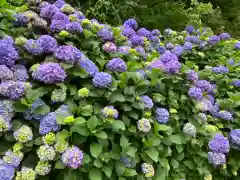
81 99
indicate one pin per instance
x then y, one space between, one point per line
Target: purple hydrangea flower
231 62
148 103
219 144
102 80
110 112
128 32
5 73
220 70
216 159
156 32
59 3
205 104
49 73
12 89
132 23
212 40
48 123
117 65
162 115
144 32
72 157
33 47
169 45
177 50
204 85
12 159
237 45
67 54
74 27
157 64
30 114
161 49
79 15
59 16
236 83
8 54
48 43
154 41
6 109
225 115
235 137
19 73
172 66
7 39
57 26
140 50
224 36
88 66
124 49
192 75
167 56
187 46
48 11
20 19
137 40
196 93
105 34
6 171
190 29
43 4
109 47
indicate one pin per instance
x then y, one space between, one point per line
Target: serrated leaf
92 122
153 154
107 169
80 120
120 168
118 125
131 151
175 139
95 174
130 173
97 163
117 96
101 135
96 149
83 130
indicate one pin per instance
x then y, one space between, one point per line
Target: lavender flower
128 32
216 159
190 29
88 66
116 64
187 46
59 3
237 45
48 123
67 54
148 103
140 50
225 115
147 169
157 64
177 50
172 67
5 73
144 125
156 32
169 45
189 129
12 159
212 40
19 73
49 73
20 19
23 134
72 157
167 56
192 76
144 32
74 27
8 54
162 115
12 89
204 85
235 137
33 47
137 40
132 23
236 83
219 144
102 80
57 26
161 49
48 43
6 171
124 49
109 47
224 36
110 112
46 153
220 70
105 34
48 11
196 93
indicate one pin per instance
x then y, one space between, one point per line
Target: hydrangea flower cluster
189 129
117 65
23 134
110 112
72 157
148 170
162 115
144 125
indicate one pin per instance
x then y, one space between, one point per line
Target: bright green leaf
83 130
95 174
153 154
107 169
96 149
101 135
92 122
118 125
130 172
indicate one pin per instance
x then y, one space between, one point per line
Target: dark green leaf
124 142
101 135
130 172
117 96
95 174
59 165
118 125
83 130
96 149
153 154
175 139
107 169
92 122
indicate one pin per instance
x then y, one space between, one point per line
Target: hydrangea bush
84 100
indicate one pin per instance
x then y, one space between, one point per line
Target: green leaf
153 154
175 139
95 174
96 149
130 173
131 151
59 165
124 142
117 96
120 168
107 169
98 163
2 2
86 159
92 122
189 164
38 141
162 127
87 33
174 163
19 107
118 125
83 130
79 121
42 110
62 135
101 135
164 162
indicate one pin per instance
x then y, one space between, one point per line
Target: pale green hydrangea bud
24 134
58 95
17 147
148 114
211 128
64 33
208 177
133 51
34 67
20 40
138 98
69 120
43 168
189 129
73 17
49 138
67 8
86 22
46 153
61 146
83 92
26 174
180 38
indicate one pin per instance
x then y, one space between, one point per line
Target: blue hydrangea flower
20 19
74 27
169 45
172 67
157 64
132 23
147 169
196 93
142 73
190 29
237 45
19 73
212 40
72 157
102 80
88 66
161 49
48 124
141 51
5 73
33 47
236 83
167 56
67 54
231 62
162 115
57 26
59 3
6 171
137 40
48 11
105 34
144 32
110 112
109 47
177 50
128 32
124 49
8 54
225 115
12 159
8 40
187 46
219 144
148 103
204 85
154 41
48 43
12 89
235 137
224 36
220 70
144 125
156 32
117 65
59 16
49 73
127 161
216 159
192 75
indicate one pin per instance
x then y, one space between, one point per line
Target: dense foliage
86 100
